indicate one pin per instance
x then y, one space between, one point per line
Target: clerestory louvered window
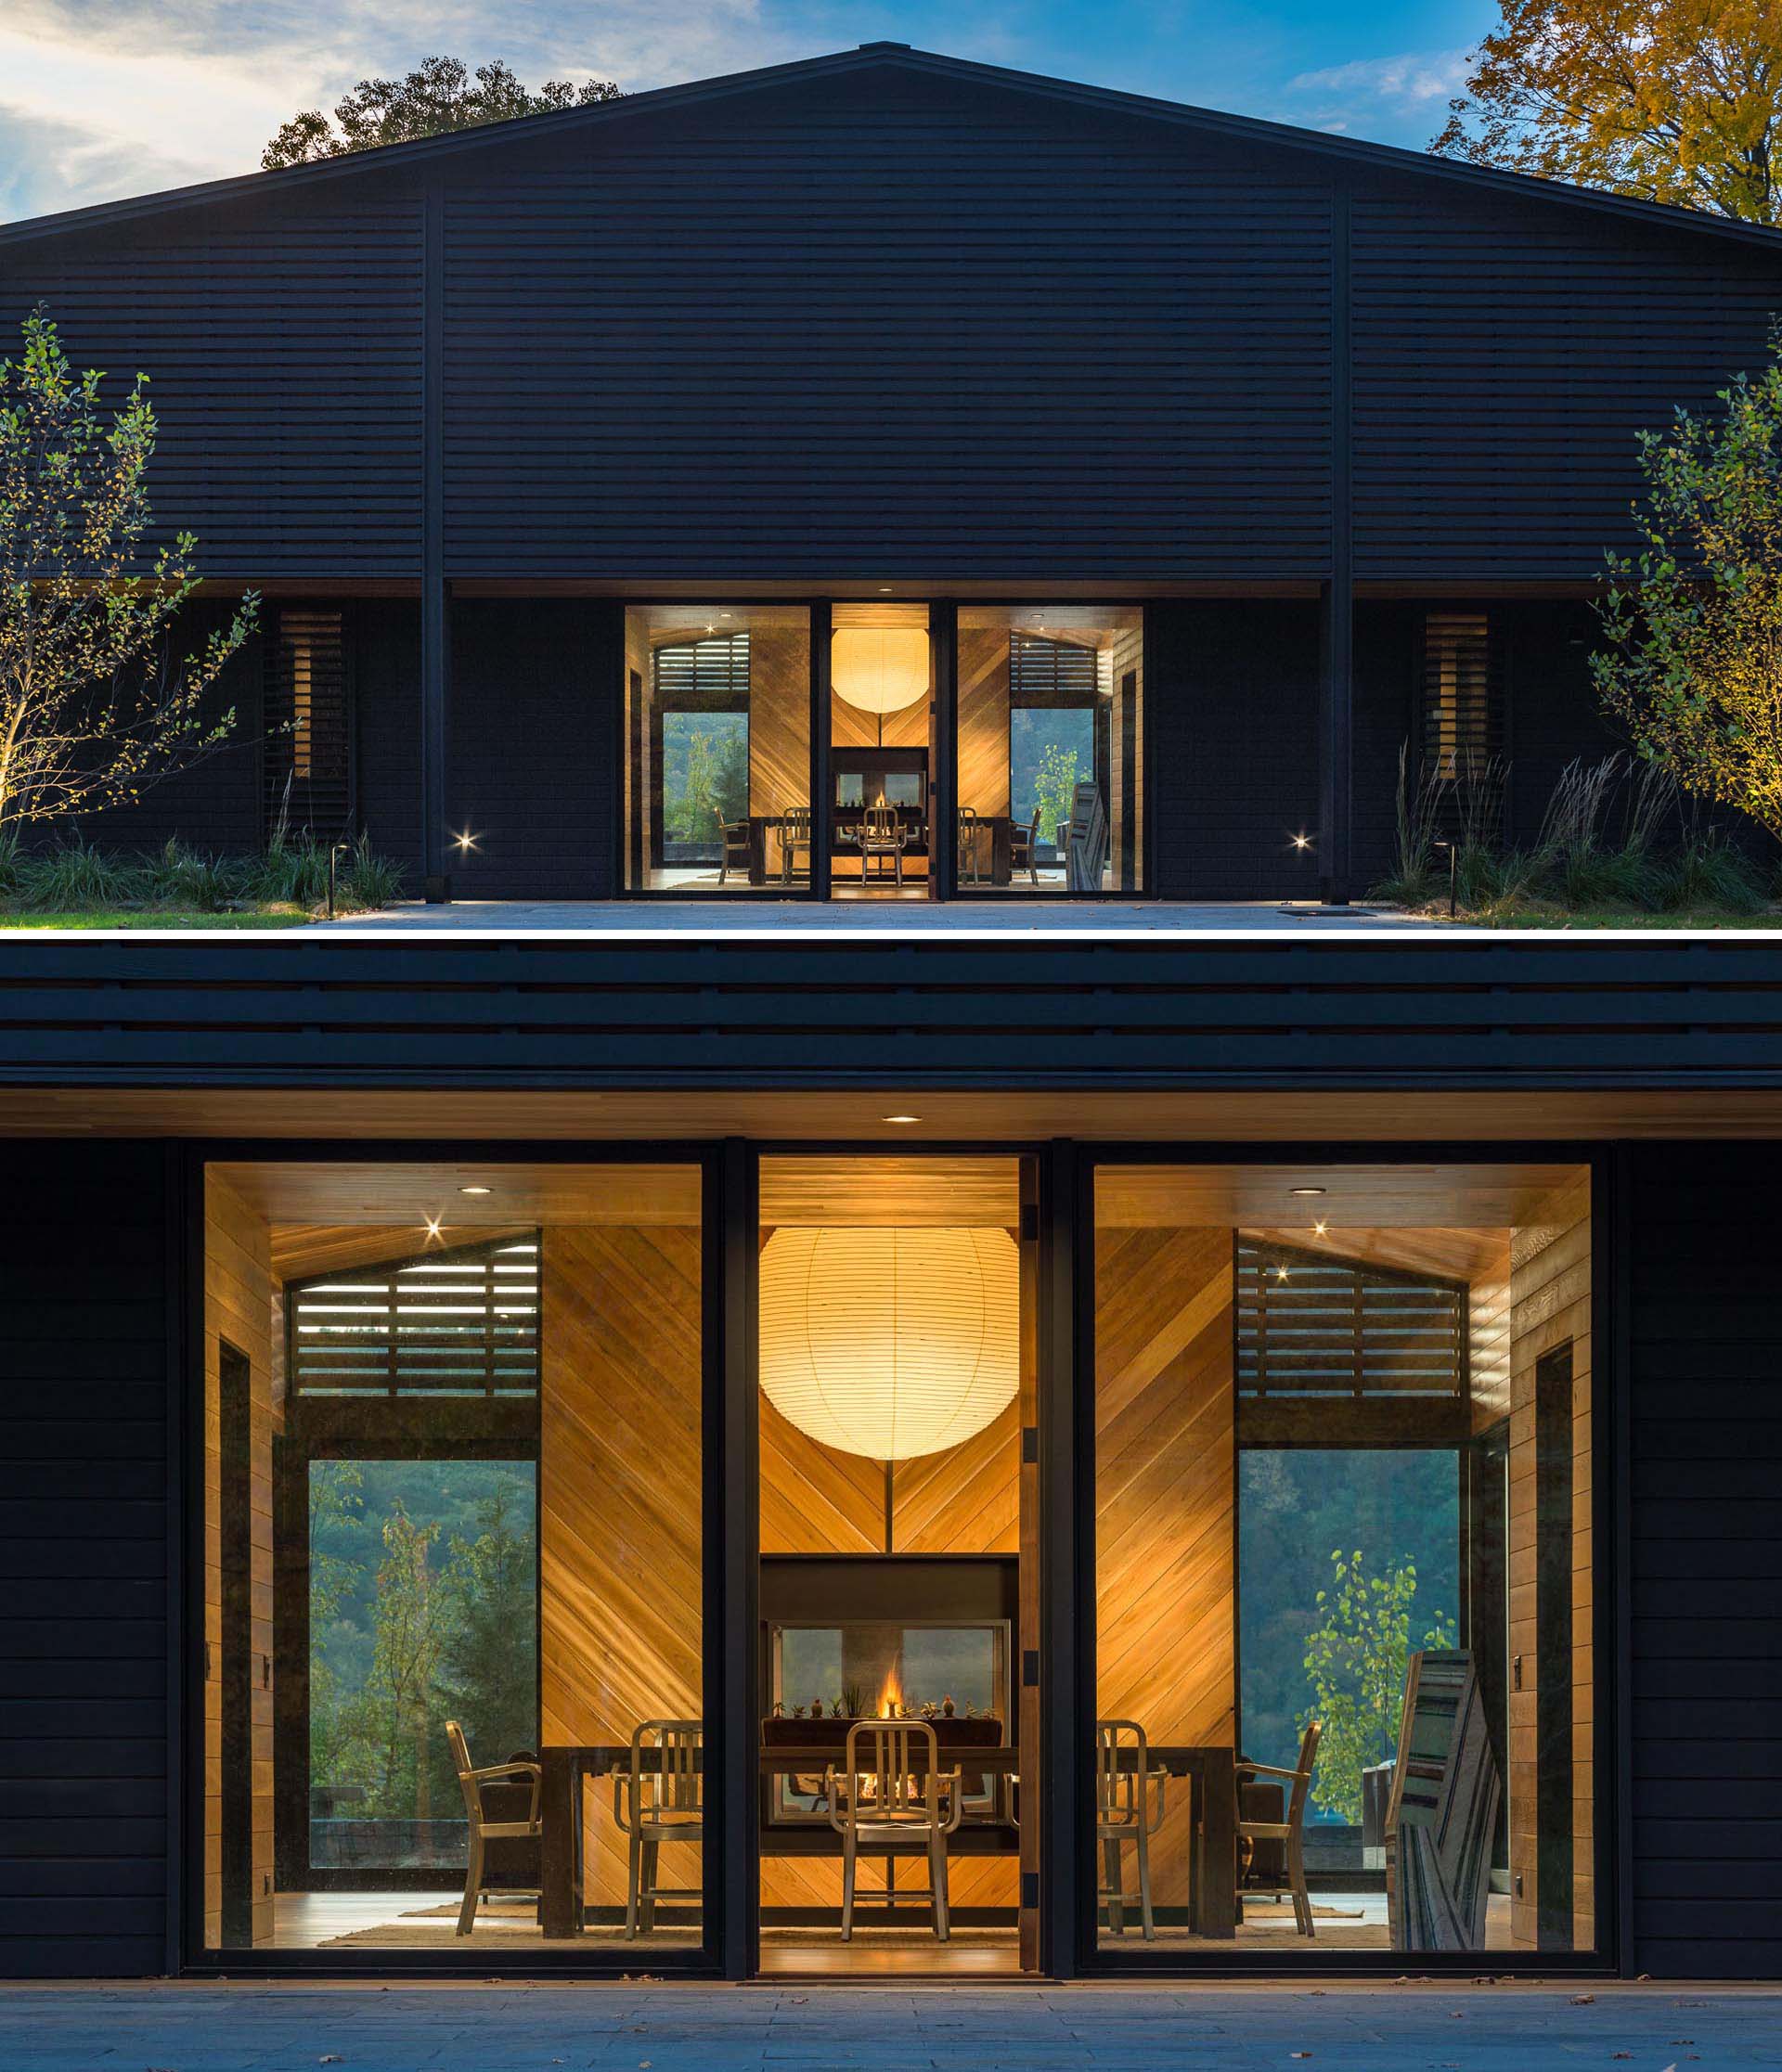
308 758
456 1322
1315 1328
703 676
1463 742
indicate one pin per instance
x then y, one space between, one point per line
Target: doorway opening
898 1582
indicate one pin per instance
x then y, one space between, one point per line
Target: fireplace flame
891 1694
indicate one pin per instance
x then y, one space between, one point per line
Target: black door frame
1066 1170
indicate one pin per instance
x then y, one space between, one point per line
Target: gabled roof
1244 129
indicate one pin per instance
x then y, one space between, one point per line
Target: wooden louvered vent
1314 1328
309 736
458 1322
1463 739
1043 672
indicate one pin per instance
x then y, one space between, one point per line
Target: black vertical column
1336 605
823 792
943 820
1067 1431
732 1711
435 611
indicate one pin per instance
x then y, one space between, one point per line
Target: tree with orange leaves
1668 101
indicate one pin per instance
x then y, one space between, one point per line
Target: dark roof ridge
1389 157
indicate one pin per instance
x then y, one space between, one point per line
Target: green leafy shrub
1355 1661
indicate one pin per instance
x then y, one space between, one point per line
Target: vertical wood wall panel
1550 1304
238 1309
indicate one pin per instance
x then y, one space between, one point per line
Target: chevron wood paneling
778 710
620 1510
1164 1512
984 719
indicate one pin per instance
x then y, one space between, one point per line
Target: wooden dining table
1211 1775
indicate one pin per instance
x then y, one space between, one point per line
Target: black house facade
961 1453
888 470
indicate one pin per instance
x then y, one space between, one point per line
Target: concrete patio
708 917
1467 2027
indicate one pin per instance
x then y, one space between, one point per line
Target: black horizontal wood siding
1705 1587
1302 1011
890 319
282 345
1504 358
890 324
85 1283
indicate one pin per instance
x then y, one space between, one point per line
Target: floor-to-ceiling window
1050 701
454 1575
1345 1576
898 1550
716 749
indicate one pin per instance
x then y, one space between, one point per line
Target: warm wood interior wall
778 712
816 1500
984 719
620 1505
1165 1519
1550 1293
1128 656
238 1310
636 720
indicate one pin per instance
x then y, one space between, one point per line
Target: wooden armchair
969 869
733 837
515 1862
1024 848
1126 1811
659 1797
894 1799
1292 1831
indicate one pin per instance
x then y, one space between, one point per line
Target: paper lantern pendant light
889 1343
879 669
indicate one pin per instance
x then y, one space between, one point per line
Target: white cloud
1356 97
100 98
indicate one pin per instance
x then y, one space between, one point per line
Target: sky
101 99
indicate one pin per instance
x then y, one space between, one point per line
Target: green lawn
1523 915
274 916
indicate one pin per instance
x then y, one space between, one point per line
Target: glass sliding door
898 1564
1345 1577
1051 749
718 749
454 1590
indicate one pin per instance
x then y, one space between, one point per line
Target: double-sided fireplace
868 1637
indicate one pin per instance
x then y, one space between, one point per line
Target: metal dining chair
658 1797
515 1863
794 834
892 1798
1125 1812
883 834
